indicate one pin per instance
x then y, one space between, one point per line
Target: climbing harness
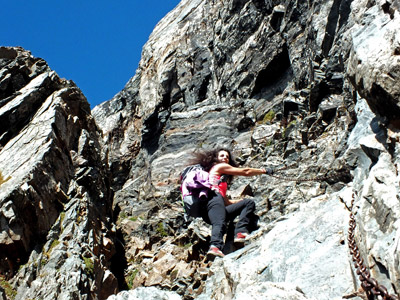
370 285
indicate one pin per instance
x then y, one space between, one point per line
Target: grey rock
298 251
55 171
100 197
373 64
300 53
145 293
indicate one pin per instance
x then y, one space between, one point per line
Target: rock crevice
89 200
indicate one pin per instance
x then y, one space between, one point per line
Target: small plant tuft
269 116
161 230
130 277
44 261
89 266
269 143
46 254
122 215
53 244
185 246
10 292
62 217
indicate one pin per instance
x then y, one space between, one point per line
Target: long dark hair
207 159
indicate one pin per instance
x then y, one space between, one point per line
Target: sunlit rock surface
56 237
90 206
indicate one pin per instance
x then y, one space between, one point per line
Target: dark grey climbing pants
217 214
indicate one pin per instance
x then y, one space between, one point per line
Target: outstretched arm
227 169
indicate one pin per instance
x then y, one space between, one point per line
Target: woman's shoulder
217 167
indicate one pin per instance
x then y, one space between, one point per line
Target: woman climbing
219 209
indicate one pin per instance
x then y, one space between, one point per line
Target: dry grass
2 179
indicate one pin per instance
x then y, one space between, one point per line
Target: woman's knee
250 204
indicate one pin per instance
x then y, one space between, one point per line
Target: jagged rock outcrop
373 65
305 87
283 83
56 237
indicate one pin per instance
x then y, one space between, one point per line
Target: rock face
305 87
56 236
282 83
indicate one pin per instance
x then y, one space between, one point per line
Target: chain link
316 178
369 284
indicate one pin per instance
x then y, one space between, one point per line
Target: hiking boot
240 239
214 252
253 224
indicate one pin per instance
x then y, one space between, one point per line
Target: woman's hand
268 171
231 201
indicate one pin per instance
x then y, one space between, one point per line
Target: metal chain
369 284
316 178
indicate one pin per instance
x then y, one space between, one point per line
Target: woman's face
223 157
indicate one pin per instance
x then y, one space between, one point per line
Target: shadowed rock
308 89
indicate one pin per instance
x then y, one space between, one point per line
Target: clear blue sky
97 44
